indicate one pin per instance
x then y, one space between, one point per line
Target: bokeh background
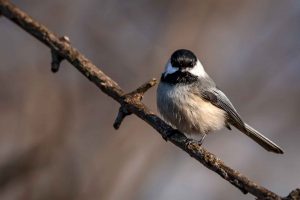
251 49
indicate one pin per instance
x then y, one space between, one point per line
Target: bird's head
184 61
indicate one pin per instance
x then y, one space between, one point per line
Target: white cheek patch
170 69
197 70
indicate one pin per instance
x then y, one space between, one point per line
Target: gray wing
219 99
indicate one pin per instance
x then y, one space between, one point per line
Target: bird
189 100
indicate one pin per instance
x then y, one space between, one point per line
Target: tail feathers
262 140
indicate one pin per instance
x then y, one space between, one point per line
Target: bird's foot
190 141
201 140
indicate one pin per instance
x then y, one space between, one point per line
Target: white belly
187 111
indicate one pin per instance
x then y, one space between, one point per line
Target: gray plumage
197 107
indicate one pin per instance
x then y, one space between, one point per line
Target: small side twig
136 95
56 57
140 91
123 112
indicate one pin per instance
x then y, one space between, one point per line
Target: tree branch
131 102
136 95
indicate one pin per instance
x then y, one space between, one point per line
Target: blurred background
60 125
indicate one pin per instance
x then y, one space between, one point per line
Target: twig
133 103
140 91
123 112
136 95
56 57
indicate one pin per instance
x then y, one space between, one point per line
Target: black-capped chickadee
189 100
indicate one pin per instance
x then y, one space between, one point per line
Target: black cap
183 58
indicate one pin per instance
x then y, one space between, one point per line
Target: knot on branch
136 97
56 57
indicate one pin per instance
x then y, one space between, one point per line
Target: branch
131 102
136 95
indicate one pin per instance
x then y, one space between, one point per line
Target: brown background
251 49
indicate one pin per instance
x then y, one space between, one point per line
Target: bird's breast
188 112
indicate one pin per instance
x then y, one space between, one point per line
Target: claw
201 141
189 141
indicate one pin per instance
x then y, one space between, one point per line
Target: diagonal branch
131 103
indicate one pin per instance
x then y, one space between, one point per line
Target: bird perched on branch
189 100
